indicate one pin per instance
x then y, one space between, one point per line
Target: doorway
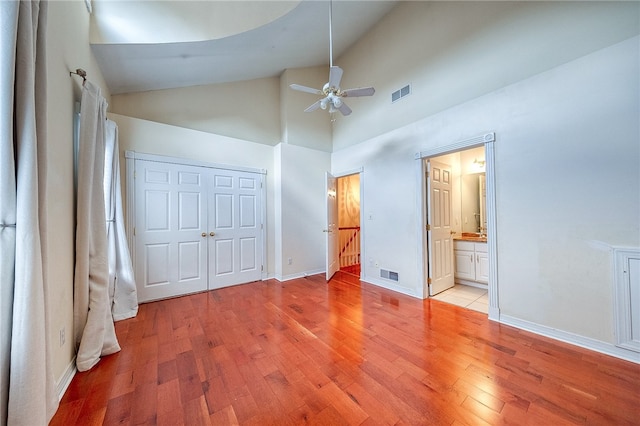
468 250
348 197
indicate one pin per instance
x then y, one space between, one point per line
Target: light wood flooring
308 352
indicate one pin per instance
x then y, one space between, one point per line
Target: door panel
331 230
248 249
169 225
440 244
235 251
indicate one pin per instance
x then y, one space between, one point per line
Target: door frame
487 140
130 207
359 171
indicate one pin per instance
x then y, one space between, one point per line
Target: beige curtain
93 323
122 284
27 386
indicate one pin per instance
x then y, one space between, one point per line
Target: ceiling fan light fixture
331 90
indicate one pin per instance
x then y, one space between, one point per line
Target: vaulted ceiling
152 45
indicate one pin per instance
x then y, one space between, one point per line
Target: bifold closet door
235 250
171 234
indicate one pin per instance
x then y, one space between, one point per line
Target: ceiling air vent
400 93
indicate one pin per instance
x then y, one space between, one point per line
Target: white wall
248 110
67 49
568 188
301 210
452 52
308 129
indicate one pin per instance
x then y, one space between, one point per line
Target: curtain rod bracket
82 73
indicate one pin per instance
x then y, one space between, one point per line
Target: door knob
212 233
204 234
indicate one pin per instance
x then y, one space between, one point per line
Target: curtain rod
82 73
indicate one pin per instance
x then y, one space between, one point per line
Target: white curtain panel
28 387
122 285
93 323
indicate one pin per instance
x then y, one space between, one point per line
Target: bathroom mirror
473 202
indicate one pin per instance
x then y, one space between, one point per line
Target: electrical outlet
377 264
289 261
62 336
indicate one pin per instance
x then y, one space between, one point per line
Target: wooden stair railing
350 242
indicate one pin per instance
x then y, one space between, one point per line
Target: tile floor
466 296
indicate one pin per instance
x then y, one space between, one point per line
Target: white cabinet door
482 267
465 265
472 262
170 221
235 235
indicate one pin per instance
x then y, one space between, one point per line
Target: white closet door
235 249
171 235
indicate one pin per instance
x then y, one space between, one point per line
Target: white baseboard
304 274
66 378
389 286
573 339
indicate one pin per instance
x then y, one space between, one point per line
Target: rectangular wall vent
390 275
401 93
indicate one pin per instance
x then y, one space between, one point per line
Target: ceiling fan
331 92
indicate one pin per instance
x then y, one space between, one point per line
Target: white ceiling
151 45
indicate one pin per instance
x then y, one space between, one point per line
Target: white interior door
235 228
439 237
170 230
331 230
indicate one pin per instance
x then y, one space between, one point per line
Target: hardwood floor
352 269
304 351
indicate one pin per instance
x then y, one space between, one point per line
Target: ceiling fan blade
306 89
361 91
344 109
335 75
313 107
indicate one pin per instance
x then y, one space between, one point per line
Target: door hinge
135 174
134 231
428 227
429 280
261 268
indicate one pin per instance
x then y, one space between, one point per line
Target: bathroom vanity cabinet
471 263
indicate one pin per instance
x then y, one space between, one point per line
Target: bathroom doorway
459 225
